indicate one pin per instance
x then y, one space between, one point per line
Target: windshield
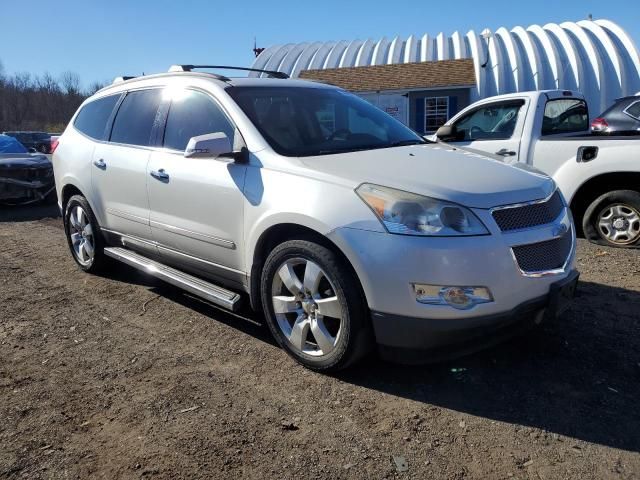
306 121
11 145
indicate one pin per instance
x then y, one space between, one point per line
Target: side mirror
447 132
210 145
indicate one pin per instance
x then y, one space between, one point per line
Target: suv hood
439 171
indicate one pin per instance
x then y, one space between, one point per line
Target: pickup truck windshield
306 121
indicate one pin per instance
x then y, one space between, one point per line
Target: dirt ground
123 376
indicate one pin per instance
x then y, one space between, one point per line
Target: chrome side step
213 293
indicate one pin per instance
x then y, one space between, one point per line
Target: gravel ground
123 376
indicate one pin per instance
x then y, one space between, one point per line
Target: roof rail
189 68
122 79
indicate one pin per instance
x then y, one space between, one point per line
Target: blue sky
103 39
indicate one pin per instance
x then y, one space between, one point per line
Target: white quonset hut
425 79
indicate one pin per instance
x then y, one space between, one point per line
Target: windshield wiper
343 150
403 143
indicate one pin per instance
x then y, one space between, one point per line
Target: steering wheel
340 131
474 131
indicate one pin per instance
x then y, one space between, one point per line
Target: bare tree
70 83
30 102
95 86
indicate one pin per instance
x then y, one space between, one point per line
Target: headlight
410 214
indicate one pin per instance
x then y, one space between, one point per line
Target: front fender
284 198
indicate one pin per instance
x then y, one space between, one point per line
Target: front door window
489 122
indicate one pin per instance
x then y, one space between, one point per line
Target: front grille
527 216
28 174
543 256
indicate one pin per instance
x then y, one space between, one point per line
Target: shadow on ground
245 320
578 377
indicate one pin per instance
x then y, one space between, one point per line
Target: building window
436 113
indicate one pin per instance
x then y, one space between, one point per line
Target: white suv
342 225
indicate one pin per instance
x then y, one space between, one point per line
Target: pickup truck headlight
406 213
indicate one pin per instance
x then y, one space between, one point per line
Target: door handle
100 164
506 153
160 175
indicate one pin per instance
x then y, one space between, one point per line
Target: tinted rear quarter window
135 118
565 115
633 110
93 117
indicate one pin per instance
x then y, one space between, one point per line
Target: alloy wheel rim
307 308
619 224
81 234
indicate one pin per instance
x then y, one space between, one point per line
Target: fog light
461 298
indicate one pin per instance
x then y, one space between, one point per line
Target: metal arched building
597 58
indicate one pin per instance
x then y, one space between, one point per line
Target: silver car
347 229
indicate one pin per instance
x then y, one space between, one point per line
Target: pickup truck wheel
314 306
614 219
83 235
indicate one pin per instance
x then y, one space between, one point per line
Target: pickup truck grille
527 216
544 256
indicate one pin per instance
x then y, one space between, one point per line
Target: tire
317 340
613 219
84 228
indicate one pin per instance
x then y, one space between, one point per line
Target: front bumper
413 340
16 191
388 266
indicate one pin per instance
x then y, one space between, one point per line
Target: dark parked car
40 141
24 177
621 118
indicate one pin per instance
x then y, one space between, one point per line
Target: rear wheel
83 235
314 306
614 219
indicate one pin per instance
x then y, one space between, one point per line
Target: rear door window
565 115
191 114
93 117
136 117
496 121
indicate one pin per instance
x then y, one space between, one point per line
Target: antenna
256 51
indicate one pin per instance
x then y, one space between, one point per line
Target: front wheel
314 306
614 219
83 235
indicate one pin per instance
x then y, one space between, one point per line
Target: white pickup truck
549 130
